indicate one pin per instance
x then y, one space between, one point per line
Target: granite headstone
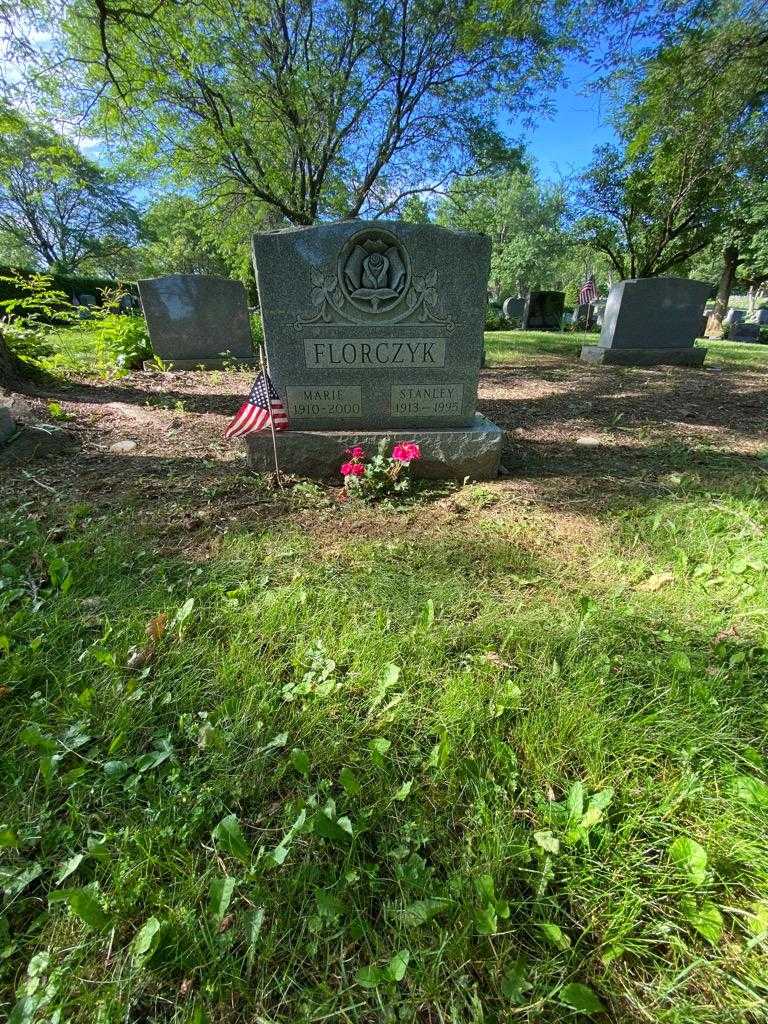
375 329
195 320
734 316
512 308
372 323
741 331
543 311
651 320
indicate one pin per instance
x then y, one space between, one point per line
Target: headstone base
643 356
230 363
447 453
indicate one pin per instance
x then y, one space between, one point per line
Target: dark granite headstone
734 316
197 321
762 317
744 332
651 320
543 311
512 308
374 329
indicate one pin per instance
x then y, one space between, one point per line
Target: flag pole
265 370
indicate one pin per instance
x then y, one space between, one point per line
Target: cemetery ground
496 753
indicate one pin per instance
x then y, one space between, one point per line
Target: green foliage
494 319
28 316
123 340
55 202
525 220
214 100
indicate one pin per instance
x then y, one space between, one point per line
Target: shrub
123 339
494 319
28 316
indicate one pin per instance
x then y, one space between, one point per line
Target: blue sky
563 142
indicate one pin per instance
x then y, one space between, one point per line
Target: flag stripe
263 405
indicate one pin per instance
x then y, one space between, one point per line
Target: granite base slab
447 453
643 356
230 363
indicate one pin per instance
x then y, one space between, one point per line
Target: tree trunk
11 368
714 327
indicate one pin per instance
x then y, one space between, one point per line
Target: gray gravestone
375 329
741 331
512 308
762 317
651 320
543 311
734 316
598 311
197 321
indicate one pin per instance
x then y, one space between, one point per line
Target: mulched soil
577 436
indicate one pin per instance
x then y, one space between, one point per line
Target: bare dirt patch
576 436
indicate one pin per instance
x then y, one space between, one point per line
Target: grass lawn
504 347
479 757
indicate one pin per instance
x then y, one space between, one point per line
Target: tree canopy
55 204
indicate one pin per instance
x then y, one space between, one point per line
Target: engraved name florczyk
376 352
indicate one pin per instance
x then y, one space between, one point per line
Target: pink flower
406 452
356 452
355 469
346 468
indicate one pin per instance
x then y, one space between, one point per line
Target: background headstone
543 311
195 320
742 331
374 324
512 308
651 320
734 316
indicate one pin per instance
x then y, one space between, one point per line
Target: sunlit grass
456 778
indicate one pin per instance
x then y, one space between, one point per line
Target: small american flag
253 415
588 292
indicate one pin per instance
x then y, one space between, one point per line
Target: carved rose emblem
374 273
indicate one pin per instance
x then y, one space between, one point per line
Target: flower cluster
407 452
383 474
355 466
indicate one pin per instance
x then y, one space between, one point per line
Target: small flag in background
254 414
588 292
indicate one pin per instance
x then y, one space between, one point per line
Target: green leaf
8 838
378 748
369 977
220 895
575 801
329 906
750 790
486 920
182 614
691 858
68 867
397 966
680 662
554 935
547 841
349 781
421 911
16 882
705 918
300 761
147 940
84 905
276 742
514 984
579 997
338 832
229 838
404 790
390 675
